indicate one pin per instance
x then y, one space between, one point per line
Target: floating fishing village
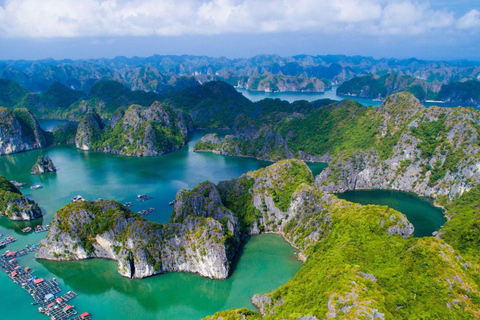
45 293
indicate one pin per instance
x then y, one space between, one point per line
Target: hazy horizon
91 29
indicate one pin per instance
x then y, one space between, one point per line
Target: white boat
78 198
35 187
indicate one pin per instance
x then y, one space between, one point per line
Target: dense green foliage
59 96
236 197
7 186
357 269
467 92
287 176
205 146
108 96
235 314
462 231
104 217
65 134
27 122
406 273
10 197
333 129
373 86
216 103
134 133
430 132
11 93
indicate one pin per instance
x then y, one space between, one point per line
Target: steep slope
14 205
465 93
269 82
107 229
401 145
20 131
379 87
213 105
11 93
43 165
430 151
60 96
89 130
207 224
139 131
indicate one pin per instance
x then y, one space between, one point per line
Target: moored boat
18 184
78 198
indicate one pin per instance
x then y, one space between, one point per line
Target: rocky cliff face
106 229
405 146
19 131
373 86
209 142
282 199
43 165
14 205
436 153
207 224
139 131
88 130
264 144
268 82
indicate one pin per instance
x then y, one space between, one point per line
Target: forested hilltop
263 72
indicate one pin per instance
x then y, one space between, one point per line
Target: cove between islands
105 293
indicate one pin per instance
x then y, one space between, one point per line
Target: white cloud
73 18
470 20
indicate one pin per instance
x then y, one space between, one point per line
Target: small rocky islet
15 205
43 165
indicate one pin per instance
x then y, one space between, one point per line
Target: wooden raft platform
44 292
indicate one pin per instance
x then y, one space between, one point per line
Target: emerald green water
264 263
420 212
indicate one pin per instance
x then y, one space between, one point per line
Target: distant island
466 92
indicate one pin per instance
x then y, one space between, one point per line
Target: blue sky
437 30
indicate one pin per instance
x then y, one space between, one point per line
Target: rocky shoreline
204 233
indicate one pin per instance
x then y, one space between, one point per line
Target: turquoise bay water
329 94
50 124
309 96
264 263
420 212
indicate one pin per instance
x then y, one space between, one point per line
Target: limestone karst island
239 160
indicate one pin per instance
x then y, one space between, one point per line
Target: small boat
78 198
17 184
35 187
128 204
143 197
171 203
26 230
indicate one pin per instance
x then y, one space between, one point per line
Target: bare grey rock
43 165
141 248
19 131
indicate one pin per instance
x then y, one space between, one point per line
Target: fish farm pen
45 293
